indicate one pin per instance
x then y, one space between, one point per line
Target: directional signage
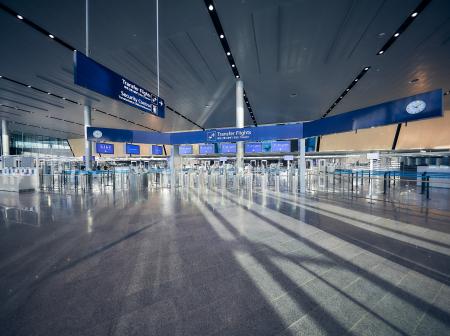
98 78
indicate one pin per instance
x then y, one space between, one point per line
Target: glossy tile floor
206 262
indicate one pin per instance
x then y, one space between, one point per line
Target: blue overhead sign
104 148
98 78
420 106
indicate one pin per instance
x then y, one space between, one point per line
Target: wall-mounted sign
185 149
98 78
206 149
288 158
104 148
132 149
157 150
227 148
281 147
253 147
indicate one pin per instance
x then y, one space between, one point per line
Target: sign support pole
87 109
239 123
302 166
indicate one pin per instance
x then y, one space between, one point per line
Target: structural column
5 138
174 165
240 123
302 166
87 143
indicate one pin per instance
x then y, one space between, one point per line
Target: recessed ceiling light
396 34
51 36
222 36
232 65
228 53
380 35
1 76
366 68
20 17
356 79
380 52
237 76
29 86
211 7
414 14
48 93
347 90
340 97
63 98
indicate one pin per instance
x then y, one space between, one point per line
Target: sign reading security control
96 77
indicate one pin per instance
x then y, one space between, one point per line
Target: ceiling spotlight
211 7
63 98
1 76
366 68
237 76
414 14
48 93
228 53
222 36
347 90
340 97
396 34
380 52
356 79
29 86
20 17
51 36
232 65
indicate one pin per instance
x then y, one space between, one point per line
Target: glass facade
21 143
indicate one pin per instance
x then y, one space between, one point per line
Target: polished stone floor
217 262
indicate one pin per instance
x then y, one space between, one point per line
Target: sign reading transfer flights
98 78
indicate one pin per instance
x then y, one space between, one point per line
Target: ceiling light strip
226 48
347 90
397 34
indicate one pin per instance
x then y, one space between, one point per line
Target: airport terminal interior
225 167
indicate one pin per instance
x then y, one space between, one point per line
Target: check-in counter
439 176
18 180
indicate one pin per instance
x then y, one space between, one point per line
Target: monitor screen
227 148
157 150
185 149
310 144
253 147
132 149
104 148
281 146
206 149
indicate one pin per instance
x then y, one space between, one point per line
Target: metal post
302 166
87 109
240 123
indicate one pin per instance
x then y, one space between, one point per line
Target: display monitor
310 144
281 147
206 149
132 149
104 148
157 150
185 149
253 147
227 148
266 146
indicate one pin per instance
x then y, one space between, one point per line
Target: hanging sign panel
420 106
98 78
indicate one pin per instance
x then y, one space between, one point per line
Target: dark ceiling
295 58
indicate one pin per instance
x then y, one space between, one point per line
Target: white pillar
174 165
302 166
240 122
87 143
5 138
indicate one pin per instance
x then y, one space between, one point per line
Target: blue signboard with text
206 149
253 147
185 150
157 150
98 78
132 149
228 148
104 148
281 147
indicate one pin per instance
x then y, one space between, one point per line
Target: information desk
19 181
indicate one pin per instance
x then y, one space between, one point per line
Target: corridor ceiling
295 57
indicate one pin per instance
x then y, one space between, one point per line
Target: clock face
97 134
416 106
